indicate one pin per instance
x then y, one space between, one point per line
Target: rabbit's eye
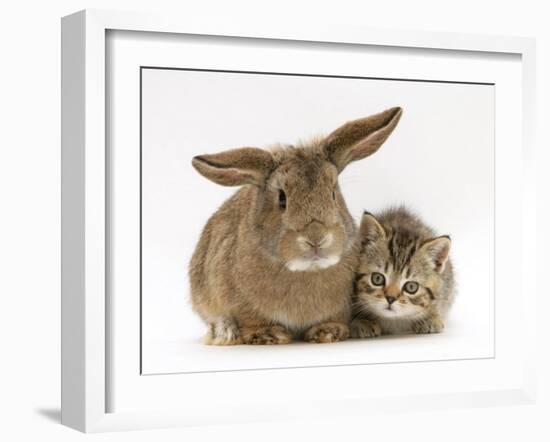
282 199
333 195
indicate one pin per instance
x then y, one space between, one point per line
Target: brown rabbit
277 259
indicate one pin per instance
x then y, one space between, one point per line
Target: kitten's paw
363 328
266 336
327 332
435 325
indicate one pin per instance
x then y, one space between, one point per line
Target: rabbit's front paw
363 328
327 332
266 335
224 331
434 325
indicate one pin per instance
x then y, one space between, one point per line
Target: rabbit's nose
325 241
313 245
320 243
315 231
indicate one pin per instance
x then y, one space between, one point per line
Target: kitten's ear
437 252
371 230
358 139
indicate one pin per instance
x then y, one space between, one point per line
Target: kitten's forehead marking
408 272
397 279
402 245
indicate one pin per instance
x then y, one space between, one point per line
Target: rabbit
276 261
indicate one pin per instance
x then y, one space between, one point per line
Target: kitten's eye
411 287
282 199
378 279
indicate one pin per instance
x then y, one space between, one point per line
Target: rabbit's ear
358 139
246 165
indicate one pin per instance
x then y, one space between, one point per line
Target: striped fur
397 245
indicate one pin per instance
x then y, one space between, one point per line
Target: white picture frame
87 357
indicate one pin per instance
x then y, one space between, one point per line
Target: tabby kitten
405 280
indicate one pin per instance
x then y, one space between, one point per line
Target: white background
439 161
29 243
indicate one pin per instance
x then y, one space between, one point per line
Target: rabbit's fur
277 259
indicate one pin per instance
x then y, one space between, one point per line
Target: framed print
262 222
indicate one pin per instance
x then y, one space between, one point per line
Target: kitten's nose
390 299
392 290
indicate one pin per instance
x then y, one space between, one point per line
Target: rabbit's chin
310 265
